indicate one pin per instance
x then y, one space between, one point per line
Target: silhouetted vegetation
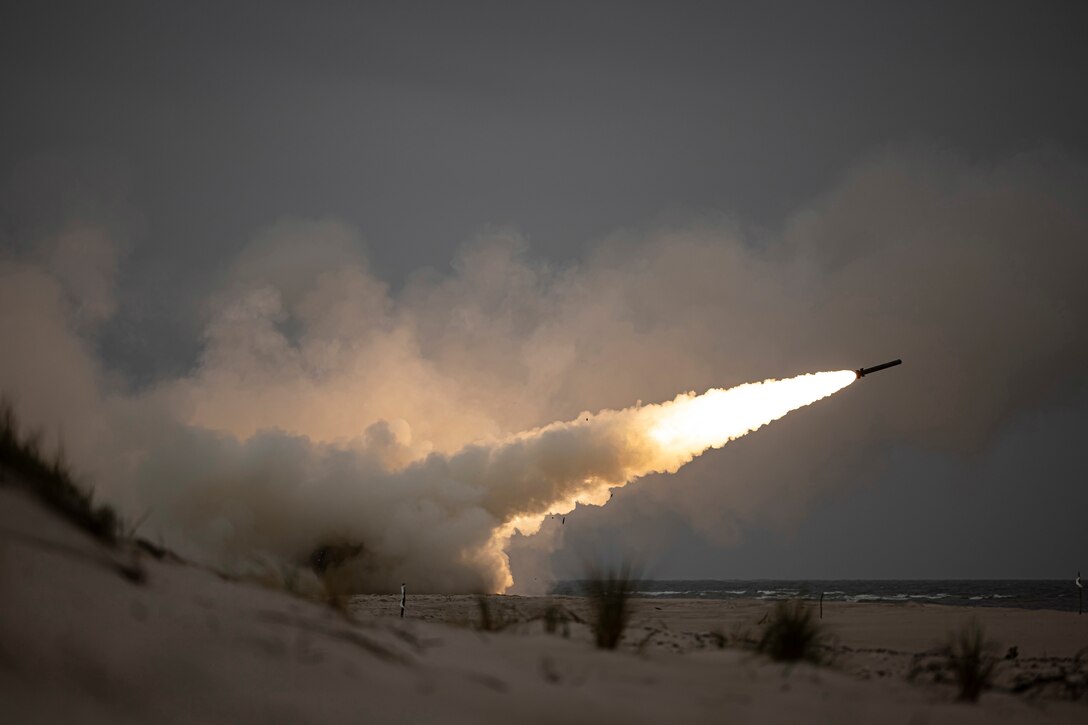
492 618
717 638
972 660
334 554
610 591
51 481
557 619
792 634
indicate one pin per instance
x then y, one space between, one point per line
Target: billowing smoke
326 406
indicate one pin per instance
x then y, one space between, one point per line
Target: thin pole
403 597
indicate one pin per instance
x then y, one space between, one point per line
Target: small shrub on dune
972 659
792 634
557 619
335 593
334 563
610 591
492 619
553 616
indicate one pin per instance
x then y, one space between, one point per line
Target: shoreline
900 626
891 641
1044 594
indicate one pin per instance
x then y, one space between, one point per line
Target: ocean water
1025 594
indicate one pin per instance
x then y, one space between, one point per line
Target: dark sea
1023 594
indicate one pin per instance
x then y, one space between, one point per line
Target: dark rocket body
862 372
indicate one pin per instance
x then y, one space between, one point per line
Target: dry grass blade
972 659
491 619
52 482
792 634
610 591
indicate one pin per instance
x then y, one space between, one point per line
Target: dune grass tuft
792 634
610 591
51 481
492 618
557 619
972 659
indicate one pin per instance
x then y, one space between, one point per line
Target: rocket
862 372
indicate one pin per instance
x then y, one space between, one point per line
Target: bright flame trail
691 424
551 469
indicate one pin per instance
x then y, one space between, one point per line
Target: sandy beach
687 362
94 634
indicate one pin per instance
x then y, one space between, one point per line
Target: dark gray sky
187 128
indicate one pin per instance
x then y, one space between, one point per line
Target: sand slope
82 642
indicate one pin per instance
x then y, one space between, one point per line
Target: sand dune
82 641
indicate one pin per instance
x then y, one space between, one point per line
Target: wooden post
403 597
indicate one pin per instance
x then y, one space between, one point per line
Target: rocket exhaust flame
551 469
693 424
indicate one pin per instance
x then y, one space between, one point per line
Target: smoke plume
418 421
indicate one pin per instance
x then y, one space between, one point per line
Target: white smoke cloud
326 405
